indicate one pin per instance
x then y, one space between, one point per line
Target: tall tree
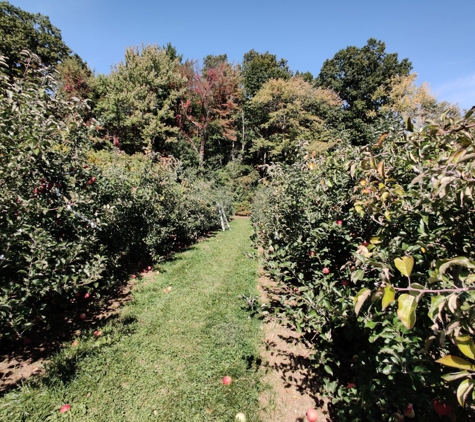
417 102
293 114
139 96
20 30
356 74
213 62
258 68
74 78
209 107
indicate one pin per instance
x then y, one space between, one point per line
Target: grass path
165 356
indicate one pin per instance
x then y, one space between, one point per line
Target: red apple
409 412
65 408
350 385
339 222
149 268
365 243
312 415
311 253
443 409
82 317
133 276
97 333
326 271
227 380
345 283
87 295
75 343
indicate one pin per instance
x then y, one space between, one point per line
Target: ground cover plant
166 356
373 248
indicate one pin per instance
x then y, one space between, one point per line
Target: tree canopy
258 68
356 74
20 30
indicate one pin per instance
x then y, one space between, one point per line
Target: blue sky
437 36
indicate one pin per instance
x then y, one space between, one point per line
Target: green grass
165 356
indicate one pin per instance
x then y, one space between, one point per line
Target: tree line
255 112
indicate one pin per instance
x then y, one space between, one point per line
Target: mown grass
165 356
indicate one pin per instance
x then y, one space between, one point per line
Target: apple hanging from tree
326 271
409 412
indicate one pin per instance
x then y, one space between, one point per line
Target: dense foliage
73 219
365 220
343 232
20 30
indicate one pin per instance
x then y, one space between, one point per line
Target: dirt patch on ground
28 356
287 366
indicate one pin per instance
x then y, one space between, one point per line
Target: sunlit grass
164 358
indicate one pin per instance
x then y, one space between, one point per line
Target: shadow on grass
71 317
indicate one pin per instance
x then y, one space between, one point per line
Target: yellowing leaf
387 215
456 362
360 298
389 295
456 375
405 265
464 390
466 345
378 294
406 310
375 240
381 169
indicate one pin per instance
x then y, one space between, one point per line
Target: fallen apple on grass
97 333
241 417
227 380
65 408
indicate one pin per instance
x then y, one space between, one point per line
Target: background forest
357 175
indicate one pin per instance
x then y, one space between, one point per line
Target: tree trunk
202 150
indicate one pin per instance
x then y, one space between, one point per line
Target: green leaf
466 345
360 298
357 275
455 375
328 370
405 265
456 362
436 306
459 260
389 295
464 390
407 310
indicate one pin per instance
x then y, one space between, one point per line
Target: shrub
341 233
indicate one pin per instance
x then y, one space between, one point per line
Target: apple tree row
373 250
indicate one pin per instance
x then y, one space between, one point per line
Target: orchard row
373 248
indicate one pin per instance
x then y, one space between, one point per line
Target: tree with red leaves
209 106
